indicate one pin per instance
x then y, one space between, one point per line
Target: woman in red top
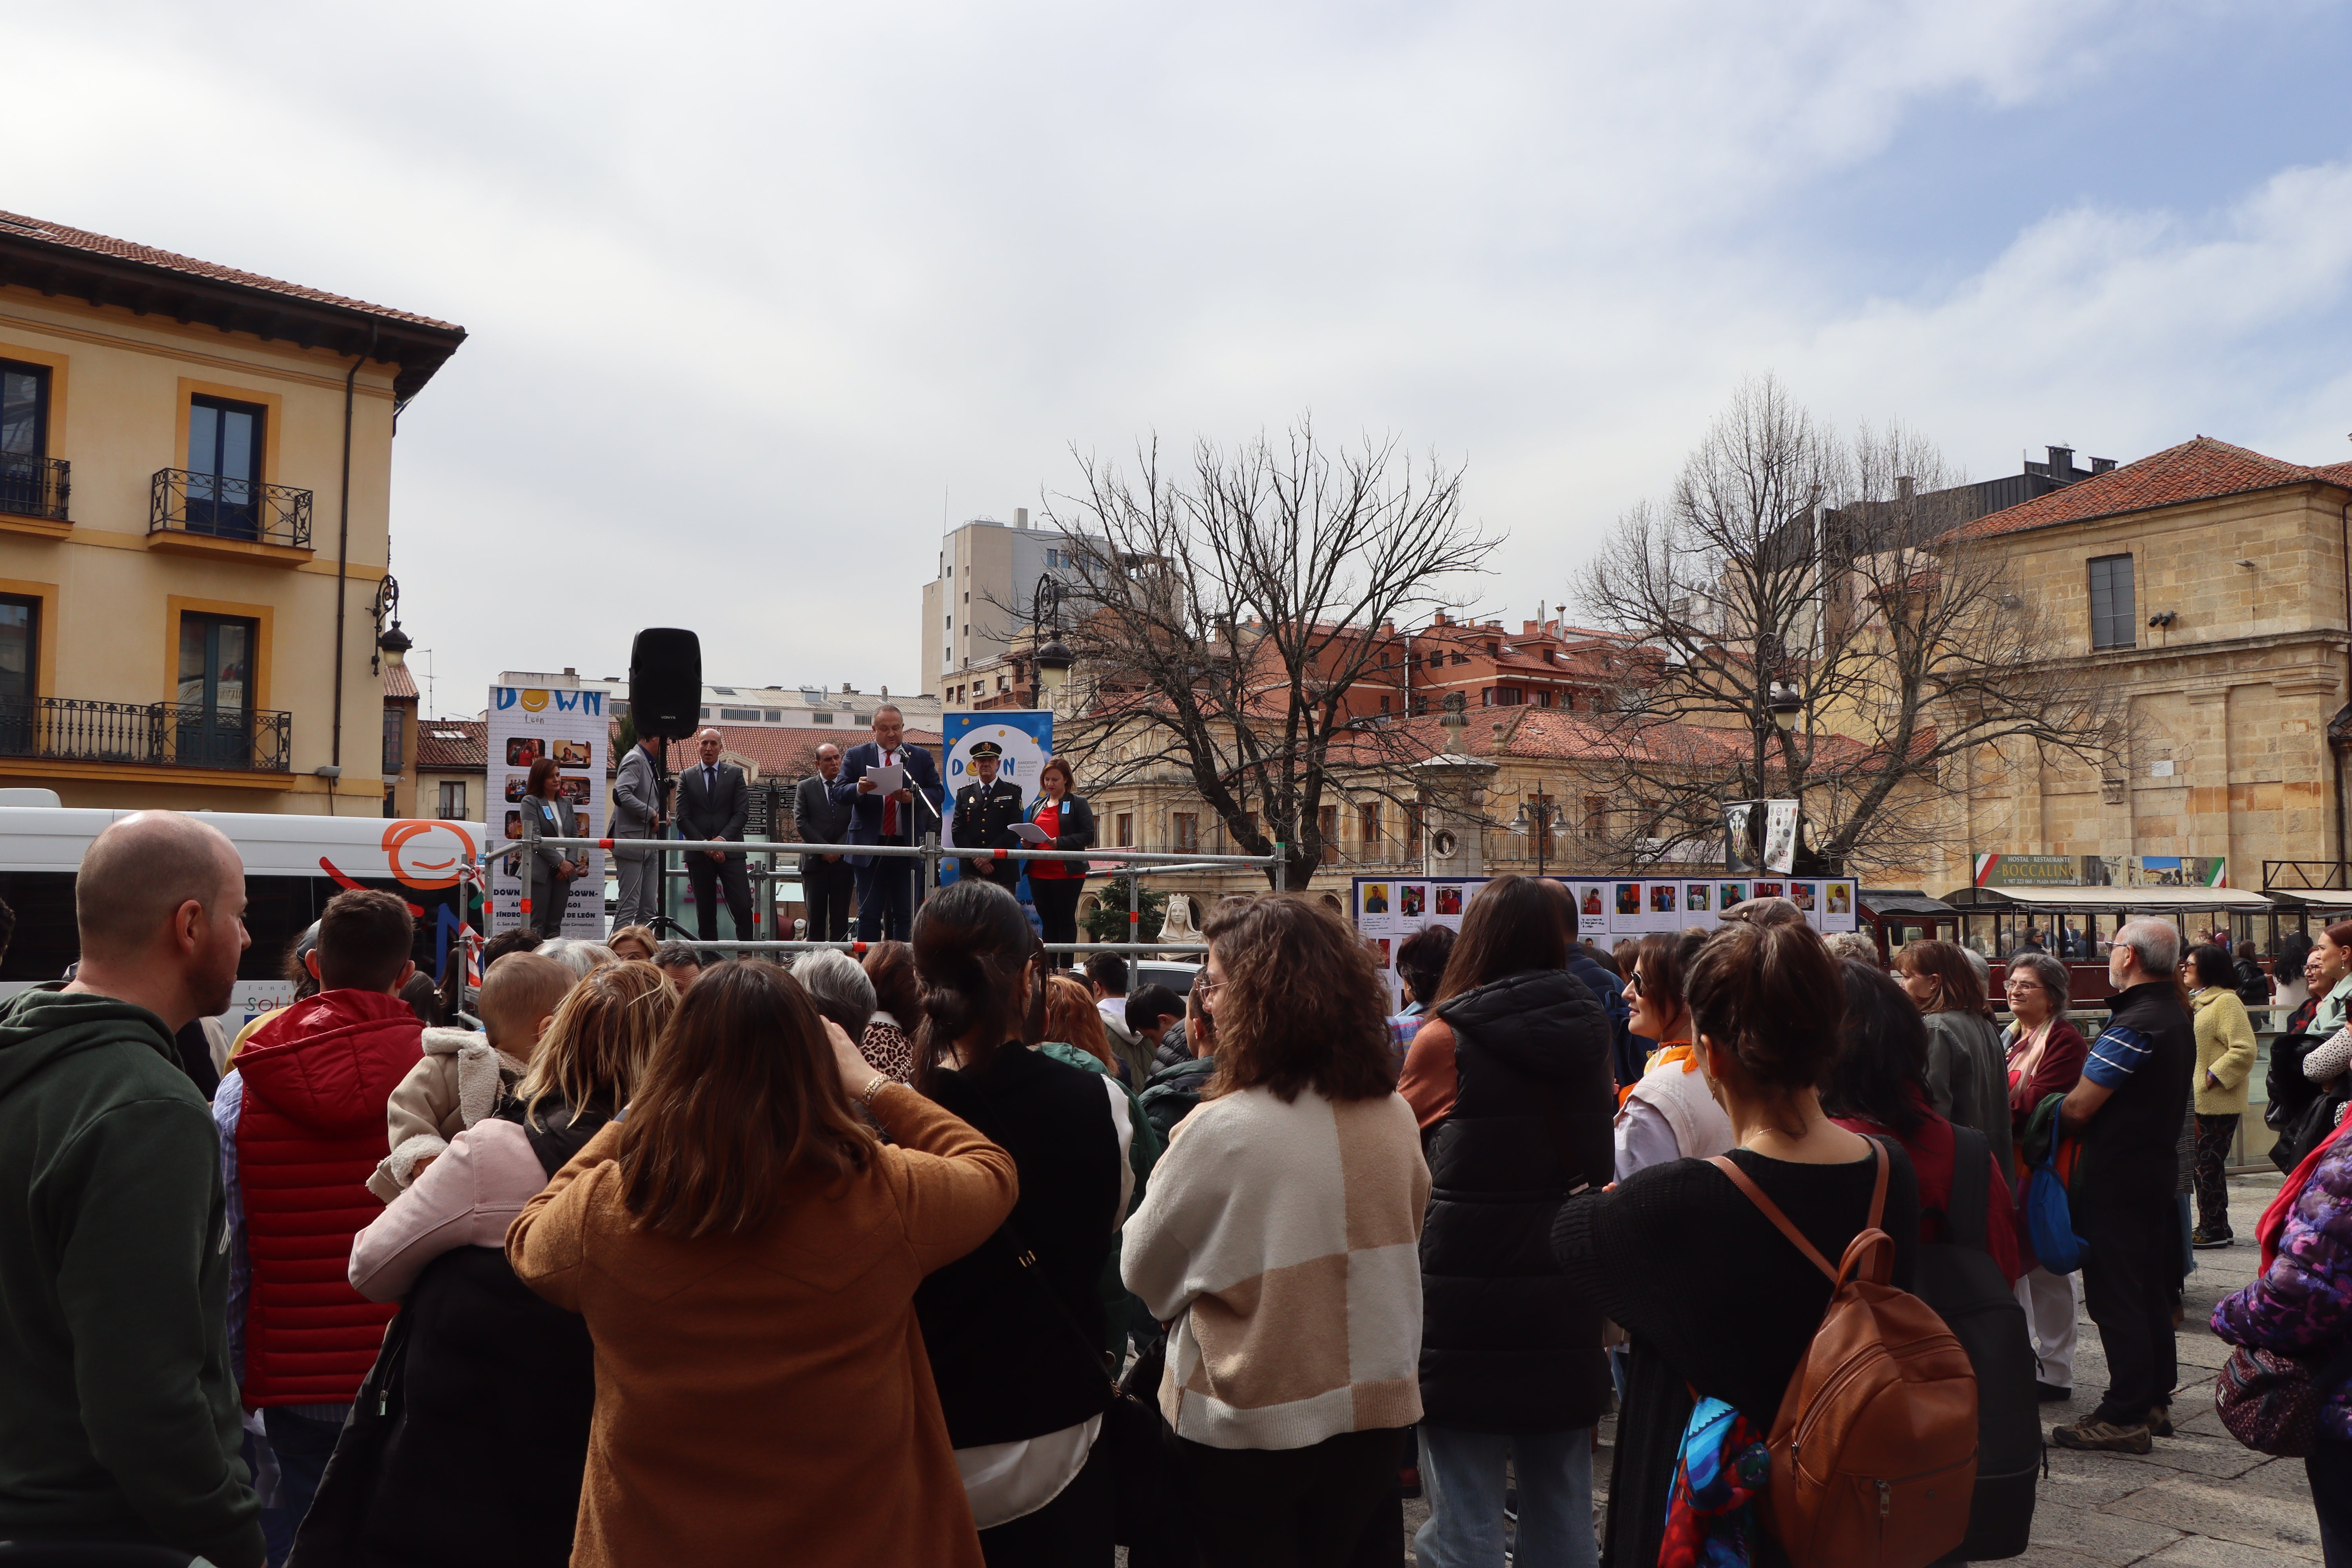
2045 1052
1879 1085
1054 885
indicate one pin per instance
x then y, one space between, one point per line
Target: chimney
1905 487
1526 628
1020 517
847 689
2102 464
572 672
886 691
2062 464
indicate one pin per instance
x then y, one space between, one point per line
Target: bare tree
1834 581
1232 624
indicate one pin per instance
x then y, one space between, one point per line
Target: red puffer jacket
308 1138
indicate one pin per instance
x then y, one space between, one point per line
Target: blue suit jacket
866 810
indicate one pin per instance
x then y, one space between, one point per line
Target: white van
293 865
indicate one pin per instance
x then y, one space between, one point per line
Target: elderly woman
838 988
2225 1060
2045 1057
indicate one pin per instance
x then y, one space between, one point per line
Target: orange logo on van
426 854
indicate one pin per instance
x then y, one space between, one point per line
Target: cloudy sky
758 295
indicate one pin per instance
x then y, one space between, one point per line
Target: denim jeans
304 1445
1463 1474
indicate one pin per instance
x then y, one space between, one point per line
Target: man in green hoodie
121 1419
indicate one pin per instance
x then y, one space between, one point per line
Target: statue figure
1178 926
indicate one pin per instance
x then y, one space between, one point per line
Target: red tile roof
399 686
16 225
453 745
2198 470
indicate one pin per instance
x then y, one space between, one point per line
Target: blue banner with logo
1023 735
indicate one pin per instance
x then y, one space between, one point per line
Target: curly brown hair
891 966
1301 1005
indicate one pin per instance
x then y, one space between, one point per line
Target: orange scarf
1666 1055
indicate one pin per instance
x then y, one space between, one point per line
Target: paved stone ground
2199 1500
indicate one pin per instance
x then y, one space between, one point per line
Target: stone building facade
2209 585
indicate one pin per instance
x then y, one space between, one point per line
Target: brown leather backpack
1875 1448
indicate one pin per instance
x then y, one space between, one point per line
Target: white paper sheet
1030 833
888 781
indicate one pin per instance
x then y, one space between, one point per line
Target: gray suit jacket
636 802
816 818
565 826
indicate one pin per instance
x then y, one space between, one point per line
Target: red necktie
889 808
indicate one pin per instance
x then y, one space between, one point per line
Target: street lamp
1052 657
1785 704
1535 818
392 644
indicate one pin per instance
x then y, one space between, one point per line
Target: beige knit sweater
1283 1243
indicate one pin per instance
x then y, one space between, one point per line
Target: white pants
2049 1303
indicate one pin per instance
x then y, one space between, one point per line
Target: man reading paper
886 883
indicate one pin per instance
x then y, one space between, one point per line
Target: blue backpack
2049 1220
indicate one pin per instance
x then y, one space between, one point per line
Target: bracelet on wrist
874 1086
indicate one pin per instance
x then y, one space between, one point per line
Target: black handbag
329 1534
1142 1480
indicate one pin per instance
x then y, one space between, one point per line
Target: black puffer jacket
1506 1345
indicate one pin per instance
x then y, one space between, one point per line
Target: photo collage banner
527 723
1608 909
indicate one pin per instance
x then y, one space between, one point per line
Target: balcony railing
33 487
146 734
219 508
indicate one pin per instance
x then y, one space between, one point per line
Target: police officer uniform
985 816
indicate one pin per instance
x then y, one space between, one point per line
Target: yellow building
2207 586
195 475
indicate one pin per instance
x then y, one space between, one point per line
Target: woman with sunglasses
1668 1112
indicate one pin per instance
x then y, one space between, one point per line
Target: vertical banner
1025 736
1780 837
527 723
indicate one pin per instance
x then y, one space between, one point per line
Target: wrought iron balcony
146 734
33 487
220 507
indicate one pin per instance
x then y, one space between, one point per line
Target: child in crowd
464 1075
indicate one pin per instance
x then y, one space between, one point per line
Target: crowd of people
940 1255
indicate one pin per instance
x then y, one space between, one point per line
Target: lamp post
1052 658
1535 819
392 644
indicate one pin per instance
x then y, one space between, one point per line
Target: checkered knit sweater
1282 1241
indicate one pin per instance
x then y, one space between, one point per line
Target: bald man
713 802
121 1419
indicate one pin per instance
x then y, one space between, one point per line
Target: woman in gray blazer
551 881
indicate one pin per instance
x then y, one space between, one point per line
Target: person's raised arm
852 783
953 1186
129 1199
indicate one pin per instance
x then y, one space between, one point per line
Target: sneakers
2205 1240
2159 1420
2051 1393
2091 1433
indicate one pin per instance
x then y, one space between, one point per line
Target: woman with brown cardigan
746 1257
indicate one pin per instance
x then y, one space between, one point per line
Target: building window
1412 821
739 715
393 759
1185 833
453 800
214 716
1384 703
20 648
1127 830
26 486
1596 814
1568 701
2113 617
224 468
1327 827
821 716
1368 824
1458 658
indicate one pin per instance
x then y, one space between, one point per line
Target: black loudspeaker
665 682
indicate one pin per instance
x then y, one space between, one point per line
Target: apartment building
195 488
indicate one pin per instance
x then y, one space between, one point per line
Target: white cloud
749 287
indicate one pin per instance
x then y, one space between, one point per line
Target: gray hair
1983 966
838 986
578 954
2155 944
2048 973
1856 945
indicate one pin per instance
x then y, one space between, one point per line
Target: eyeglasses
1634 982
1208 987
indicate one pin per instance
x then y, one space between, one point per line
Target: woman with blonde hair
634 941
745 1255
484 1366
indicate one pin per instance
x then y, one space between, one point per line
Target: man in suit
824 879
637 813
885 884
985 815
713 802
